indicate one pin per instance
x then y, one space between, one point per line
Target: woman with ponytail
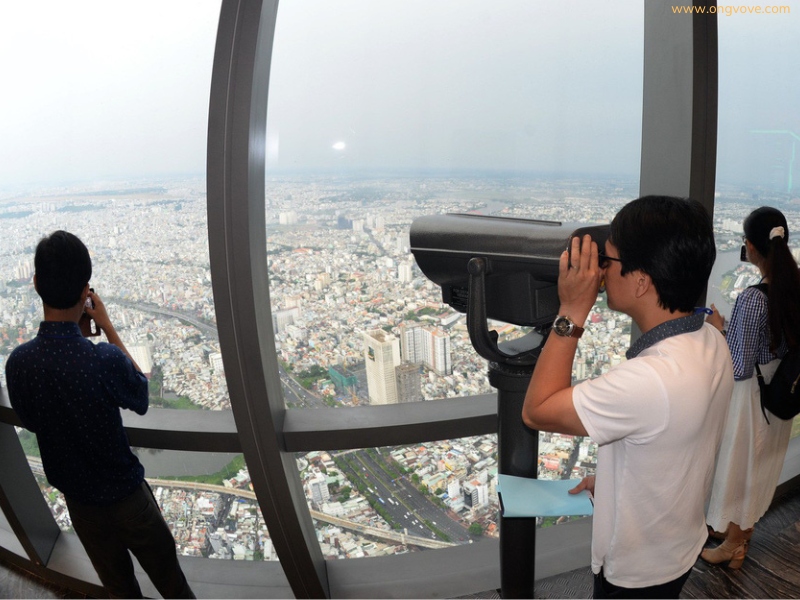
764 324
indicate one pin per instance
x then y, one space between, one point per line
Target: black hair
63 268
670 239
780 269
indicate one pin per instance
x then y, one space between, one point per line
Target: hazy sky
104 90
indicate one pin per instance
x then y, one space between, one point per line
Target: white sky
104 90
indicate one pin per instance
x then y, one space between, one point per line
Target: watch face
562 326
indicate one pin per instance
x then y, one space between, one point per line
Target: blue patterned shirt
69 391
748 334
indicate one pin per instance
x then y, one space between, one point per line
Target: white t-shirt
657 420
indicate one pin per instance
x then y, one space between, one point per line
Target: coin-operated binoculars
504 269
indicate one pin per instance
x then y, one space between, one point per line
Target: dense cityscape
355 323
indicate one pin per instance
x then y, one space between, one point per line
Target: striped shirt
748 334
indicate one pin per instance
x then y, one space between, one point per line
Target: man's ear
35 284
644 283
84 293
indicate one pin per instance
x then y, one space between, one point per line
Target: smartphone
89 303
93 329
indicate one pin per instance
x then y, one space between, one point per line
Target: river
726 262
178 463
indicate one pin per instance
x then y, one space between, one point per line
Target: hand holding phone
88 327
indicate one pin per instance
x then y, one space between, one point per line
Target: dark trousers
133 524
671 589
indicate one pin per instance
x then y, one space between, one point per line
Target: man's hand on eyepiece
579 276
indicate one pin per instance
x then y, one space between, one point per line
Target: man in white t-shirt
657 417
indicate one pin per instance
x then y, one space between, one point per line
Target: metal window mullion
22 502
237 247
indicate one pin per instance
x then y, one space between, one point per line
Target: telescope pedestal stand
518 455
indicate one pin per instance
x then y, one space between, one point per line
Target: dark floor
771 570
17 584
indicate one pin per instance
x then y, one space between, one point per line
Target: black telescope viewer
504 269
498 268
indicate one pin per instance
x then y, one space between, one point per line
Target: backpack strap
762 388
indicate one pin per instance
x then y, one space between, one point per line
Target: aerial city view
523 110
356 323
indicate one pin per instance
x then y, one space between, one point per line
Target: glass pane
516 109
206 499
392 500
759 127
108 141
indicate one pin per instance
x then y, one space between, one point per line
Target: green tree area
156 388
389 466
548 522
228 471
179 403
155 382
344 493
310 376
476 529
414 315
29 443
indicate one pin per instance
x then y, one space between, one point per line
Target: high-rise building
381 355
412 343
454 488
409 383
342 379
215 360
404 272
287 218
580 368
283 318
318 488
476 494
143 357
440 356
430 347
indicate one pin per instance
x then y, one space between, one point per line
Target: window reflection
402 118
108 142
360 143
205 497
758 130
433 495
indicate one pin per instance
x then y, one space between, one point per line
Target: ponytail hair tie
777 232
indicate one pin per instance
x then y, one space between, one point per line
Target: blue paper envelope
524 497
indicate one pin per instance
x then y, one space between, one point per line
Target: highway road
405 504
392 536
294 394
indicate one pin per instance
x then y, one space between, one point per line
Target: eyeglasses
603 260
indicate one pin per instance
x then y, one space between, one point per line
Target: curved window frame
678 157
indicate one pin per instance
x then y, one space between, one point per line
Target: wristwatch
564 326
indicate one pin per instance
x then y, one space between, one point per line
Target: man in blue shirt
69 391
